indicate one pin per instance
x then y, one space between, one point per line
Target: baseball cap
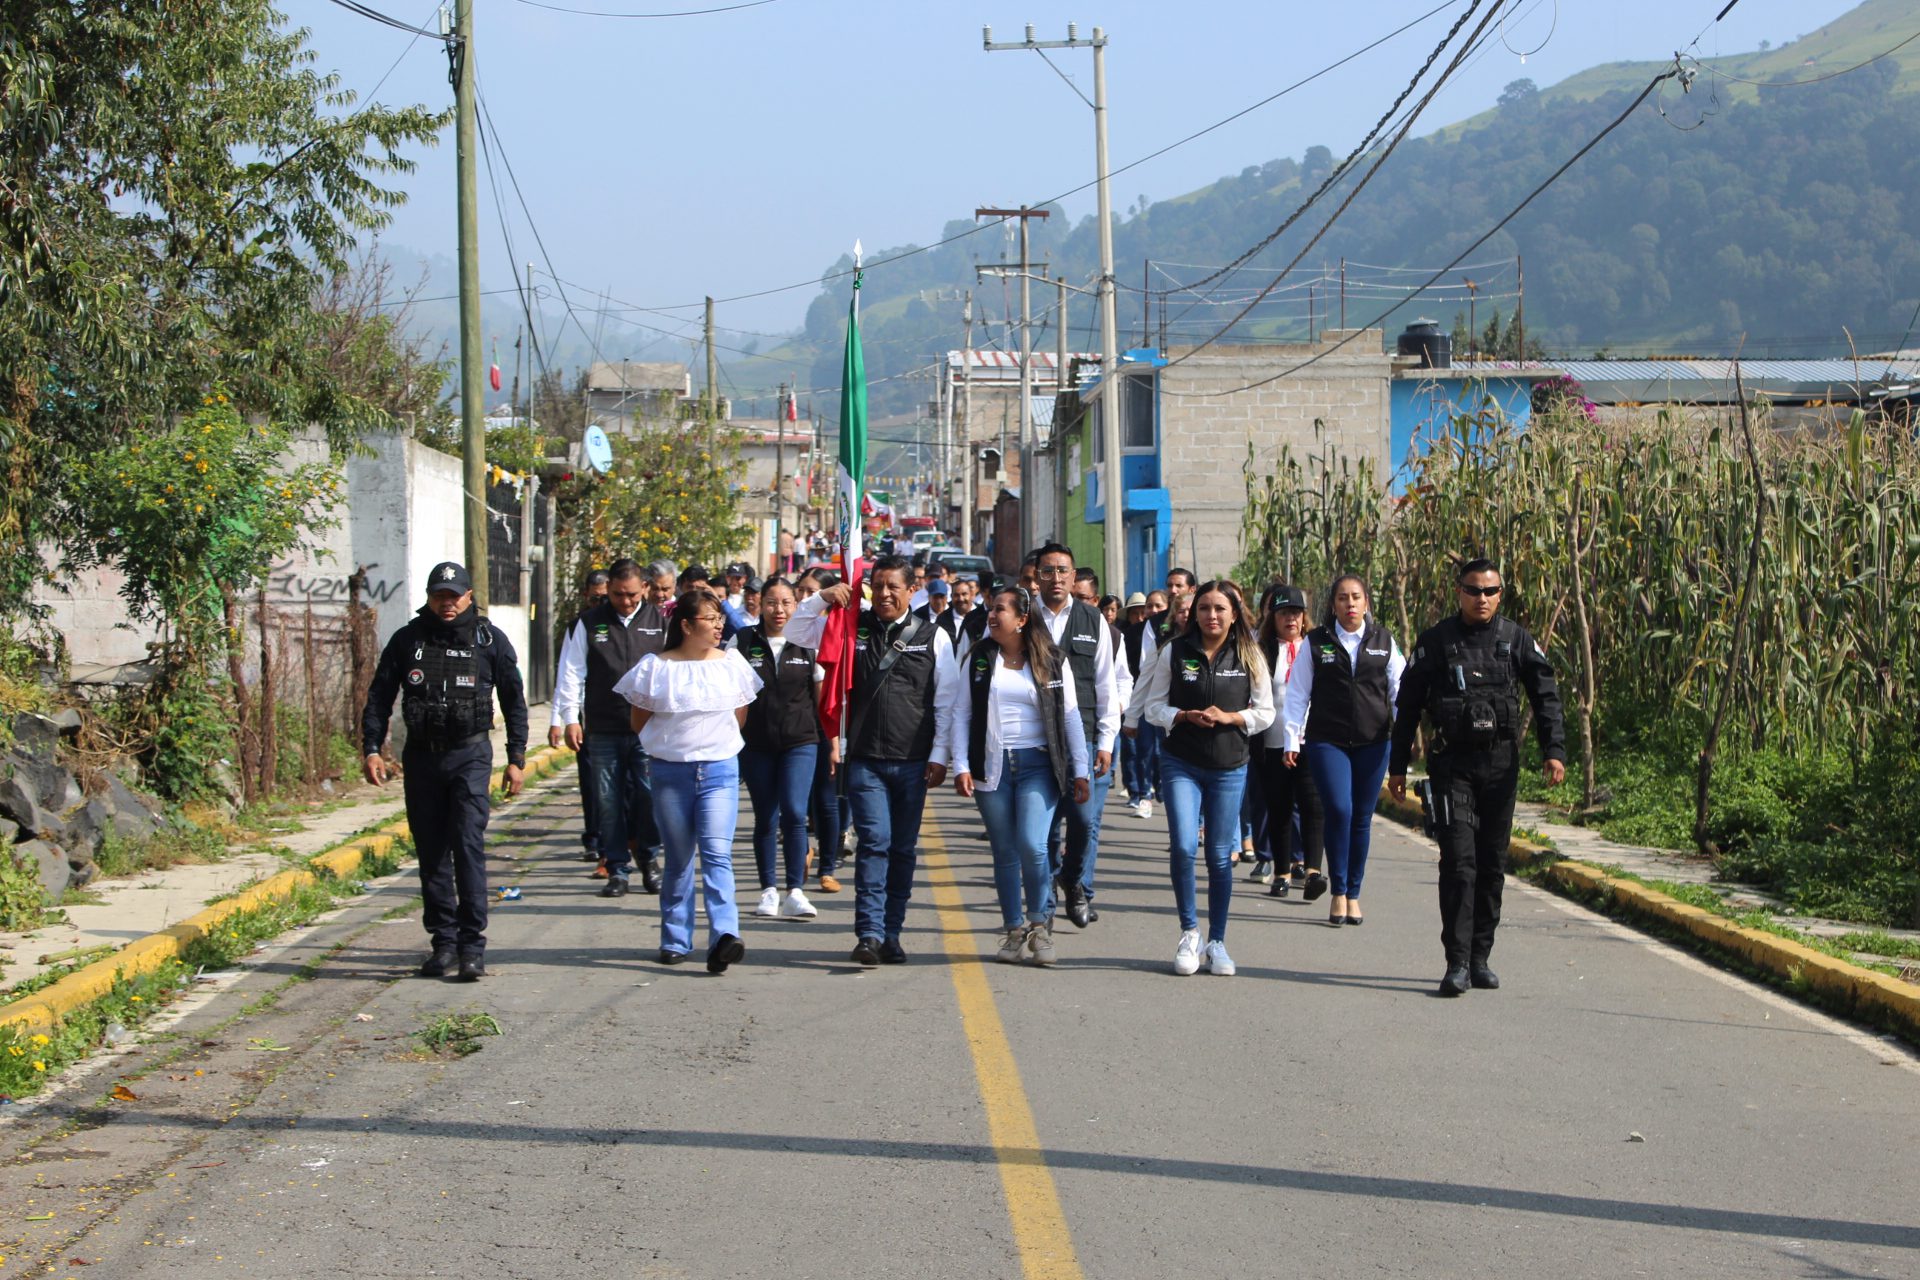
939 587
756 585
739 569
1288 596
1138 600
449 575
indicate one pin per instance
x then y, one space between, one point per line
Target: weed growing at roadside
455 1035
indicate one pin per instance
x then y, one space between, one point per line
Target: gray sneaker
1039 945
1013 944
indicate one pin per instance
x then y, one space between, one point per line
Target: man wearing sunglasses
1466 677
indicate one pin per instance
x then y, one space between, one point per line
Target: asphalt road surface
1618 1109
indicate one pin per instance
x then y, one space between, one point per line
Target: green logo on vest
756 653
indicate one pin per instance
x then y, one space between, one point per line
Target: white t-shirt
693 705
1018 704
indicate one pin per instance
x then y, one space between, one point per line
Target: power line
682 13
354 6
1831 75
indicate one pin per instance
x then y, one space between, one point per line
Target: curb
45 1008
1848 989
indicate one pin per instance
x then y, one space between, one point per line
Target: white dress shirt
1300 685
1283 662
1154 697
1000 722
809 624
570 682
1106 687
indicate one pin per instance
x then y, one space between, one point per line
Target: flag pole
853 381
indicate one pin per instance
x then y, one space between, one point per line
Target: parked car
959 562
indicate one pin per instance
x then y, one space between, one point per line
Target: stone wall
1204 440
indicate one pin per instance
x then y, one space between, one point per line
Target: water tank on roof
1423 338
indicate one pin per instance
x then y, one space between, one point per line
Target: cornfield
1626 552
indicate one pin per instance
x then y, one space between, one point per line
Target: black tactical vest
1053 719
612 651
1134 635
1350 707
1195 684
893 690
784 714
448 694
1473 697
1080 641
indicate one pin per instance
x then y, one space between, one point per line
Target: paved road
1320 1113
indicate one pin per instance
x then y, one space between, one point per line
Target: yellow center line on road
1033 1202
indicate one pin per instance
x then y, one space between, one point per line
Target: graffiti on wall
294 584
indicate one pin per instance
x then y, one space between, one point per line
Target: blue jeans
1018 813
830 811
1082 831
779 783
888 797
622 798
1348 780
1194 793
698 805
1142 762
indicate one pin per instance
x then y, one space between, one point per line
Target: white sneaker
1040 944
796 907
1013 944
1145 810
1186 957
1218 961
769 903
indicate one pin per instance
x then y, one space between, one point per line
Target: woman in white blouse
1019 747
689 702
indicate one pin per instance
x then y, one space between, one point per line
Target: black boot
649 876
1485 979
1077 910
442 962
1456 981
473 966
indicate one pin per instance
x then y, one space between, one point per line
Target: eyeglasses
1480 591
1054 571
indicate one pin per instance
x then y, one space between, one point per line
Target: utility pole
779 463
970 491
1023 213
713 375
473 413
1112 476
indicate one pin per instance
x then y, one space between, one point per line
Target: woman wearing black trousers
1289 789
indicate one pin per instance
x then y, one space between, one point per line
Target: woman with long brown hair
1210 691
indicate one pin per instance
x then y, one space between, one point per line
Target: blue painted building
1147 508
1423 403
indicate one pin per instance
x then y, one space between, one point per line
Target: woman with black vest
782 734
1340 700
1019 746
1209 690
1290 792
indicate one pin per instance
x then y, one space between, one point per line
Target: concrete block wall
1205 439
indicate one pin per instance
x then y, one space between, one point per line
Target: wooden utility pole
473 412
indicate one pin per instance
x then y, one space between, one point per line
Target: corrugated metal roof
1655 380
1042 360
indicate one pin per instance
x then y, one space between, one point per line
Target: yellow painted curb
1863 993
43 1009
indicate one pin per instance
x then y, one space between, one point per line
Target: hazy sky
734 152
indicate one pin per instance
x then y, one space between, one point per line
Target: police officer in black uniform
1466 676
449 663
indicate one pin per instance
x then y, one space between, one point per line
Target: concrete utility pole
1024 213
473 410
1112 476
713 374
779 463
970 492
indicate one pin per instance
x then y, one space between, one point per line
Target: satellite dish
599 450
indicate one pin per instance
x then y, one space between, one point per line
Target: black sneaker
1485 979
472 968
1456 981
891 952
588 855
1316 885
615 887
726 949
442 962
866 952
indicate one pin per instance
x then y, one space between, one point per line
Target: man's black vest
1080 642
448 694
945 620
1053 720
1134 635
785 714
893 690
974 625
1350 707
1195 684
1473 696
612 651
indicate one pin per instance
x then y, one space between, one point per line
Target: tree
1519 93
176 182
674 494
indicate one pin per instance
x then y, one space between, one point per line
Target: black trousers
590 827
1473 791
1291 791
447 810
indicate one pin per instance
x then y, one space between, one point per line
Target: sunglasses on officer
1466 590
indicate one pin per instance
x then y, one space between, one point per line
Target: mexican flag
836 645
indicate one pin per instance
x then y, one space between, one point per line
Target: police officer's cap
1288 596
449 575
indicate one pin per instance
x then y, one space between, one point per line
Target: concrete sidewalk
133 907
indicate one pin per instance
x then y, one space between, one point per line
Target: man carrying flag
890 681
